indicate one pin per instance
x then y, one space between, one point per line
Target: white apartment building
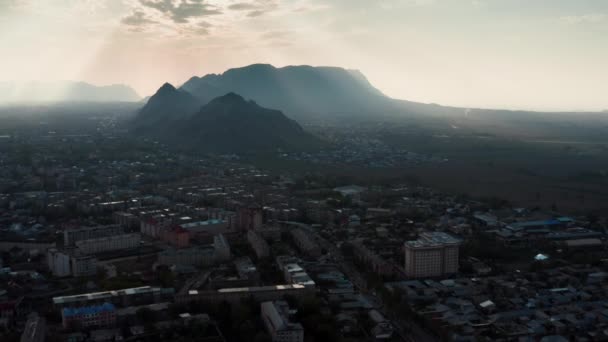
65 263
277 322
71 236
110 243
58 262
258 244
434 254
221 248
305 243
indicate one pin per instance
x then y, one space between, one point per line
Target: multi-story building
109 243
278 324
126 219
206 230
305 244
258 244
236 295
250 217
371 259
434 254
83 265
71 236
58 262
270 233
176 237
125 297
103 315
295 274
221 248
69 262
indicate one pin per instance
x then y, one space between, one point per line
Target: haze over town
540 55
303 170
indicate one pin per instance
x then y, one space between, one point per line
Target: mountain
167 105
227 124
65 91
300 91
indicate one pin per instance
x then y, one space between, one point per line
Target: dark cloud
137 18
181 12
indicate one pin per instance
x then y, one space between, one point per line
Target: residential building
71 236
250 217
177 237
258 244
58 262
236 295
276 317
305 243
109 243
103 315
434 254
70 262
221 248
125 297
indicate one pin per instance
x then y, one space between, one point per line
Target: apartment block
434 254
277 320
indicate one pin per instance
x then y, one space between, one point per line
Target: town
106 238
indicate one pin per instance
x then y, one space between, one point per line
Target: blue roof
531 224
88 310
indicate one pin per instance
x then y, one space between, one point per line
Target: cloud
275 34
182 11
137 18
255 8
592 18
255 13
242 6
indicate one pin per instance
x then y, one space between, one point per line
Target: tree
262 337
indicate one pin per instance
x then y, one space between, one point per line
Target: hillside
227 124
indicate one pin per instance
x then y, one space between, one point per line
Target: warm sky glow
532 54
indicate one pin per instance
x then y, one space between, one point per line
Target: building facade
110 243
434 254
103 315
276 317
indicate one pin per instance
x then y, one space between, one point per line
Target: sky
512 54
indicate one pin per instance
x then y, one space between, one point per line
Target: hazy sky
532 54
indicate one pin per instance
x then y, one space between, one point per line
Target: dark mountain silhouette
168 105
65 91
226 124
300 91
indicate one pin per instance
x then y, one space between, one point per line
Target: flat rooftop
104 295
433 239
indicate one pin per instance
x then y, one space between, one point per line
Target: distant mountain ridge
299 91
65 91
227 123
